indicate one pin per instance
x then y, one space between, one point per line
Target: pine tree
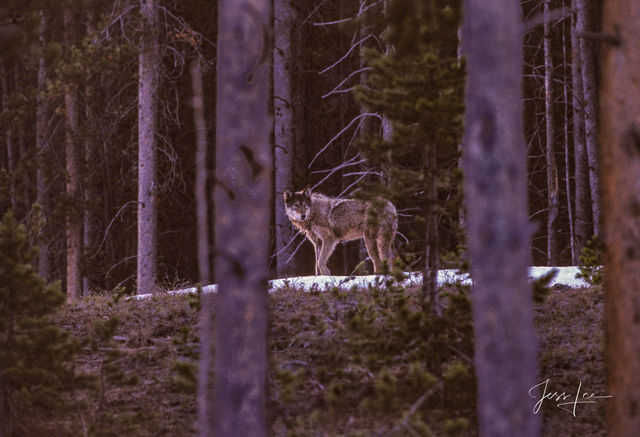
418 85
35 355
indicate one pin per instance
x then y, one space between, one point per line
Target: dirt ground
353 363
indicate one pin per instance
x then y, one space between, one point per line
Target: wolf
327 221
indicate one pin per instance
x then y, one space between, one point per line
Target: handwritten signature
572 399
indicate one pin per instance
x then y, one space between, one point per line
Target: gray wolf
327 221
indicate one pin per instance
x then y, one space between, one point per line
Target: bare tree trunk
42 181
89 192
567 179
553 187
582 196
73 222
620 139
283 128
430 273
498 232
148 64
205 370
11 148
590 111
202 211
243 191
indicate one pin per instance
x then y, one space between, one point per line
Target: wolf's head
298 205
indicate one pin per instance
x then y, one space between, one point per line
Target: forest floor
352 363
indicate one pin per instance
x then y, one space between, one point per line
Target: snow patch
566 276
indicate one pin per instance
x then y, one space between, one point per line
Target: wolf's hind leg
372 250
385 243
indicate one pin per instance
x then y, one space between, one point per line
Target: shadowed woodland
146 145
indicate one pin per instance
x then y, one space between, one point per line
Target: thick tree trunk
581 173
498 231
620 139
148 65
243 191
283 129
73 221
42 181
553 187
587 56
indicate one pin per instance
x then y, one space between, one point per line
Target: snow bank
565 276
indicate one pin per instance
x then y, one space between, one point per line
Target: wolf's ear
306 191
287 193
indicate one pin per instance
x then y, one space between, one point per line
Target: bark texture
498 232
620 139
42 180
148 65
283 129
243 195
11 147
553 192
589 90
73 219
202 210
90 192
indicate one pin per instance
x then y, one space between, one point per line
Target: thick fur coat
327 221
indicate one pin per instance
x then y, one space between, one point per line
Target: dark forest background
345 62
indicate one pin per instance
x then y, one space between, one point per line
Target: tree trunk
148 65
430 273
42 181
73 222
581 174
567 179
243 191
90 163
283 129
202 210
498 231
553 192
588 70
620 139
11 148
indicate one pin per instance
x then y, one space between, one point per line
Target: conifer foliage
35 355
418 85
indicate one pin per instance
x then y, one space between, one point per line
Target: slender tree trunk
243 191
205 374
620 139
202 211
283 128
73 221
149 64
11 147
42 180
90 162
498 231
366 123
590 111
430 273
565 95
581 174
553 187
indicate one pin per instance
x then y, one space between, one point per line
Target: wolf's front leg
317 247
325 253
